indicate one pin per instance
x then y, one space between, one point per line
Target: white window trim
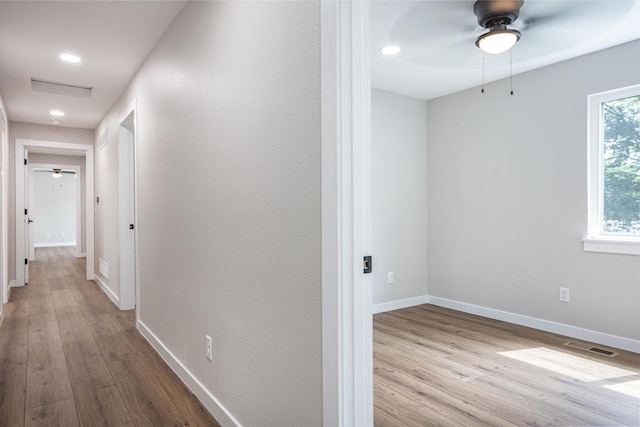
597 241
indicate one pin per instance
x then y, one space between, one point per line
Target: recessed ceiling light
68 57
56 113
390 50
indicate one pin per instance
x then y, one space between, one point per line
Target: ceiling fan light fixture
57 173
498 40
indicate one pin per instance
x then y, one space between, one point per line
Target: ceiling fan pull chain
511 71
482 91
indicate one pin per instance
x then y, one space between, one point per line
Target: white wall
19 130
228 126
54 209
55 159
508 198
399 196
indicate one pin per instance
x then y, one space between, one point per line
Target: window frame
596 241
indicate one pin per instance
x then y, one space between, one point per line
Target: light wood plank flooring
69 357
434 366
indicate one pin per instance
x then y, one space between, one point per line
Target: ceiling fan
57 173
442 34
496 15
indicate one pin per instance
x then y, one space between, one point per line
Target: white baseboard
12 284
210 402
105 288
53 245
544 325
103 268
401 303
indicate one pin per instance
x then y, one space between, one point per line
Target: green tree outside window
621 164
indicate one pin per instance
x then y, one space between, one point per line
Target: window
614 172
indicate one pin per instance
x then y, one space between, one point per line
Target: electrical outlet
390 277
564 294
209 351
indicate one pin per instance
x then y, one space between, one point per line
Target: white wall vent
65 89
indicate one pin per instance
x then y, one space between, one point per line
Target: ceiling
438 55
113 38
437 38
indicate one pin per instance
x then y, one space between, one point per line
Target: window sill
612 245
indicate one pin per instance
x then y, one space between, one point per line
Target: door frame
127 208
4 210
78 195
347 322
21 250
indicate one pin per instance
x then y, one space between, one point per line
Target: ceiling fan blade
432 20
536 21
472 29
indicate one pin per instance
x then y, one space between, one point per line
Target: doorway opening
22 226
55 205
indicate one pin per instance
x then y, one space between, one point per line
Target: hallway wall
19 130
228 125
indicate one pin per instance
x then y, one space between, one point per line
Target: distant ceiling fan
57 173
496 15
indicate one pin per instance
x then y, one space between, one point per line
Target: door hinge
25 162
367 264
26 261
130 226
26 212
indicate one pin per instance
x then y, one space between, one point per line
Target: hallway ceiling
439 56
113 38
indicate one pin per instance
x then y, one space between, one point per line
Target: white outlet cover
390 277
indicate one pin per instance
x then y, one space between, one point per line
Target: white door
4 276
29 206
27 221
127 214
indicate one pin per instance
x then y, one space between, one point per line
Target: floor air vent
591 348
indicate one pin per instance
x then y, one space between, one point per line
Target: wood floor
69 357
434 366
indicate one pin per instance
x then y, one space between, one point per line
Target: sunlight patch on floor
631 388
567 364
